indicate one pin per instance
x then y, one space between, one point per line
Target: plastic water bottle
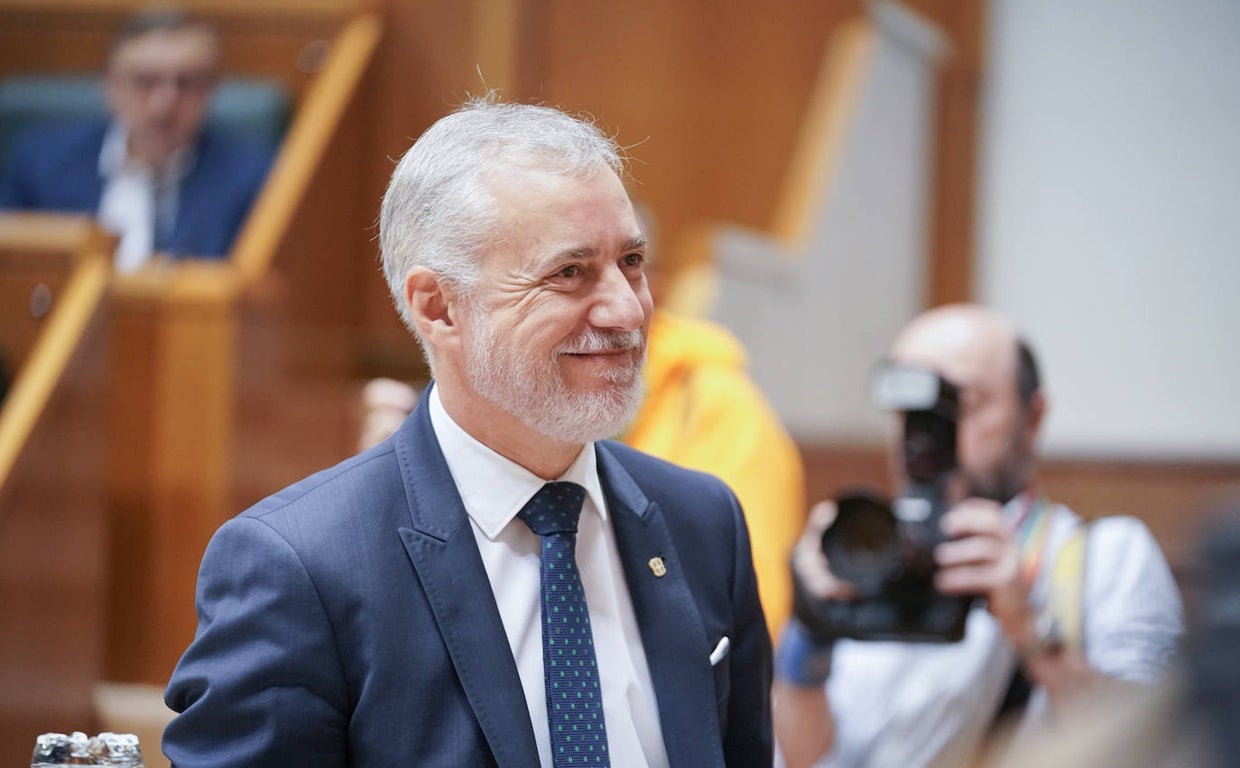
118 750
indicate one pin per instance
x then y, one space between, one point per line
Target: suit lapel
445 556
672 634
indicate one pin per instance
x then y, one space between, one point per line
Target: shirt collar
494 488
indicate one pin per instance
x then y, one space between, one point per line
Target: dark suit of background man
386 611
153 173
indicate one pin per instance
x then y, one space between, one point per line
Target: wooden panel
25 296
292 418
710 102
710 99
53 564
170 432
323 144
132 340
425 66
53 560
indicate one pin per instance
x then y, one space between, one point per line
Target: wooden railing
83 251
305 146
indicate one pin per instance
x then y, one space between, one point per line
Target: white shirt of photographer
913 705
493 490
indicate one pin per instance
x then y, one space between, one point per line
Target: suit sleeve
261 684
748 740
13 184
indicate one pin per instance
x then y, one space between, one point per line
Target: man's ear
1035 416
433 307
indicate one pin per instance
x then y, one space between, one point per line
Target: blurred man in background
875 703
153 173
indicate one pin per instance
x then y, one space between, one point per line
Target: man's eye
572 270
634 259
143 81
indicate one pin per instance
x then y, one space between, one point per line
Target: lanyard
1064 593
1032 530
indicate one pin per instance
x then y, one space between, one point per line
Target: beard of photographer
1001 412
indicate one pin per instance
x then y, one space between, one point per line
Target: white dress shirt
136 199
923 704
494 490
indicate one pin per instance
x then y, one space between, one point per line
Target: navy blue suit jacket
348 621
56 168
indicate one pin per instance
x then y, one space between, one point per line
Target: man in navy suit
153 173
386 612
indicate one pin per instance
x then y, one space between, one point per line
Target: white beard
535 393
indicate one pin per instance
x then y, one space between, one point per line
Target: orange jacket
702 411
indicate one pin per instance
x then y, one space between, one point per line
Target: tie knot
554 509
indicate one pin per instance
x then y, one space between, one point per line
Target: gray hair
439 212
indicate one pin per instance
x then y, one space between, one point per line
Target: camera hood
896 387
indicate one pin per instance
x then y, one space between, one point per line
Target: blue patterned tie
570 672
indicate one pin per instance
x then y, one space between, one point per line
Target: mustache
594 342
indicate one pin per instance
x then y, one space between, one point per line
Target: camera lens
862 546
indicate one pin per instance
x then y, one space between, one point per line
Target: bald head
963 342
1002 407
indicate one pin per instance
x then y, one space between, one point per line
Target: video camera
886 549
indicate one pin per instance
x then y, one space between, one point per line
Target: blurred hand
811 565
982 558
385 404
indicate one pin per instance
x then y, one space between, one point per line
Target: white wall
1109 216
815 315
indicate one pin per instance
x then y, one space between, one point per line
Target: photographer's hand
811 565
982 558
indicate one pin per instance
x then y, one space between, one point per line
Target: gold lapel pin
657 567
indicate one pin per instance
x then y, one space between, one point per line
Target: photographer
1044 626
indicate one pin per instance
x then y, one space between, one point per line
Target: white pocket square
720 651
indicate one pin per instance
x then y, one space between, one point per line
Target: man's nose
618 302
163 96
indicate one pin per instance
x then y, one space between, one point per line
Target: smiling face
158 85
554 336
